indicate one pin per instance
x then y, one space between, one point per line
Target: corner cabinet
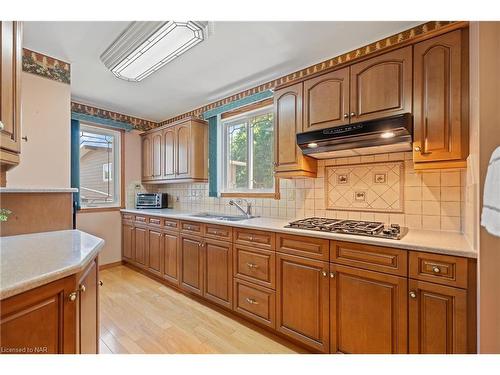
10 96
289 160
440 101
176 153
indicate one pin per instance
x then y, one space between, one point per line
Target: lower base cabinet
171 258
155 252
88 310
141 246
218 275
302 310
255 302
438 319
191 260
368 312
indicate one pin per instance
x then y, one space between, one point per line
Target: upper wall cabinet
440 102
289 160
10 95
381 86
326 100
177 153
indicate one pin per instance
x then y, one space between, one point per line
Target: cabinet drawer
219 232
191 227
309 247
171 224
127 217
255 265
141 219
375 258
154 221
257 238
255 302
440 269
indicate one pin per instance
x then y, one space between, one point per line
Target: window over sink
248 154
100 165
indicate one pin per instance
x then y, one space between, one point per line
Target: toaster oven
151 200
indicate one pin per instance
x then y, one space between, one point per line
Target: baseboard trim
110 265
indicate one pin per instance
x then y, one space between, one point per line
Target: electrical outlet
137 186
177 198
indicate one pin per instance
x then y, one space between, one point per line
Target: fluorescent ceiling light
145 47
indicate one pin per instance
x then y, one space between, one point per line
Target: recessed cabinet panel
147 173
169 153
155 251
171 258
141 245
183 144
218 286
192 265
128 241
88 311
157 155
382 86
326 100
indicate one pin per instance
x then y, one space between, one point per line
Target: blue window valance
101 121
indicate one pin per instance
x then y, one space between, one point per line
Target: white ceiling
239 55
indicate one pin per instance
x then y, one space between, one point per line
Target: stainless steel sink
207 215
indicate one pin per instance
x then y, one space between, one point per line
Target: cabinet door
157 155
218 285
147 173
302 301
289 159
10 73
128 241
437 118
437 319
326 100
169 153
88 312
382 86
155 251
42 320
192 264
368 311
183 150
141 236
171 257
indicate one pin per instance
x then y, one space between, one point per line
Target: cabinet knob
352 114
101 283
1 125
346 115
332 275
324 273
413 294
275 163
251 301
82 288
72 296
418 149
25 138
250 238
436 269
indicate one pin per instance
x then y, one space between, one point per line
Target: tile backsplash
432 199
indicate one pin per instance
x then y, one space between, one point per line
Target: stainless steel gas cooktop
362 228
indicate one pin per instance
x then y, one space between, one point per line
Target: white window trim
106 167
222 147
116 169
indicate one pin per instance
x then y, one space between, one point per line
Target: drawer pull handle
413 294
436 269
251 301
251 238
252 265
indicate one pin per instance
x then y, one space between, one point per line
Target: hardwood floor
141 316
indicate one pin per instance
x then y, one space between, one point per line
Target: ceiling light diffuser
145 47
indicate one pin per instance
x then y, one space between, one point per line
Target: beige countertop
450 243
30 260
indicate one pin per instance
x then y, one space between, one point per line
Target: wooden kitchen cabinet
302 301
440 118
155 251
218 274
171 257
368 311
192 266
10 96
382 86
176 153
326 100
437 319
141 245
128 241
88 310
289 160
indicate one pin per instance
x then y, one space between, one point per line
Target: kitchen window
100 165
248 154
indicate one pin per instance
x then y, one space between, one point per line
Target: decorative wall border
376 47
88 110
46 66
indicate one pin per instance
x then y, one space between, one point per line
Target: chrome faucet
247 212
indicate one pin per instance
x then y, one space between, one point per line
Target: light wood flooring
140 315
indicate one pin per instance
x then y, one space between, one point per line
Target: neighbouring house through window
99 167
248 153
